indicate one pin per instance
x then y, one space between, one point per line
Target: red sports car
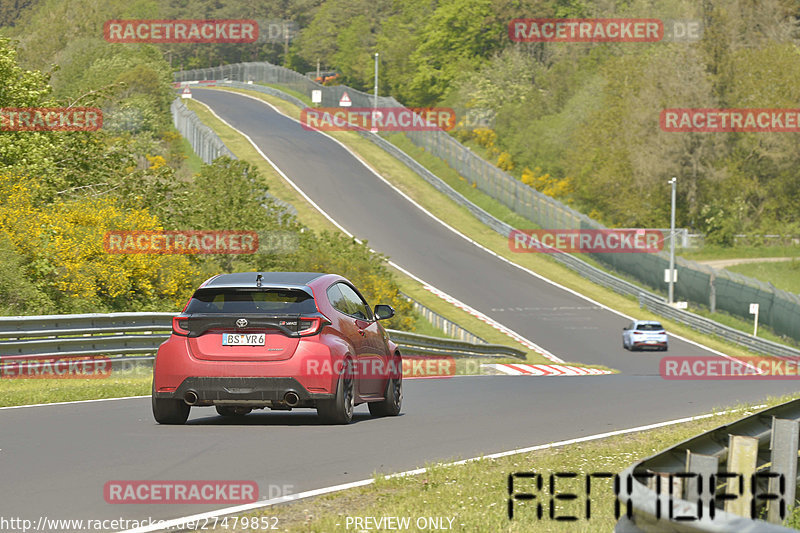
281 340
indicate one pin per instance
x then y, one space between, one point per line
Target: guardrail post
742 460
699 488
783 455
712 292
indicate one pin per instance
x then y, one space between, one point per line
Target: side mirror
383 311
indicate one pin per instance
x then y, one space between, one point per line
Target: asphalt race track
55 460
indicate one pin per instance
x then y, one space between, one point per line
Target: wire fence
696 283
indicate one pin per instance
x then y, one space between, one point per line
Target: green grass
450 176
784 275
301 96
192 162
712 252
424 327
135 382
475 494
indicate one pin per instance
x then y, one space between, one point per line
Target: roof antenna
258 280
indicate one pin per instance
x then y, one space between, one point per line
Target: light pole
374 128
672 243
375 98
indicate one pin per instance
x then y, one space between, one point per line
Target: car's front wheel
169 410
339 410
392 399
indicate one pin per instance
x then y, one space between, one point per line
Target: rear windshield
649 327
233 301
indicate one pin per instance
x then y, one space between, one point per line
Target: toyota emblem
241 323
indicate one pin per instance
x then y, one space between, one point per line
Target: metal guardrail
449 327
425 345
771 451
583 268
119 334
207 144
705 325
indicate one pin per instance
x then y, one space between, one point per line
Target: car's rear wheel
169 410
339 410
226 410
392 399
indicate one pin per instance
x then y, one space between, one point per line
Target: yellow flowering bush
505 162
547 184
63 245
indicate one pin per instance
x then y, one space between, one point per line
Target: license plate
243 339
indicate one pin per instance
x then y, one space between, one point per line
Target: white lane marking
73 402
508 331
177 522
529 271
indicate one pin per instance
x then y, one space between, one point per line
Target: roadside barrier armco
126 337
740 477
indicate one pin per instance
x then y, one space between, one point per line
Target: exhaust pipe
190 397
291 398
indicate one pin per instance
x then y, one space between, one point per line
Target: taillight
179 325
637 332
662 332
310 325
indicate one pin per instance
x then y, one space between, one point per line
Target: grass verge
711 252
133 382
474 495
784 275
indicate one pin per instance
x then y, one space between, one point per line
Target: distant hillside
577 121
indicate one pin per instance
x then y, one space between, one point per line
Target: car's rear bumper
244 391
650 344
311 370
